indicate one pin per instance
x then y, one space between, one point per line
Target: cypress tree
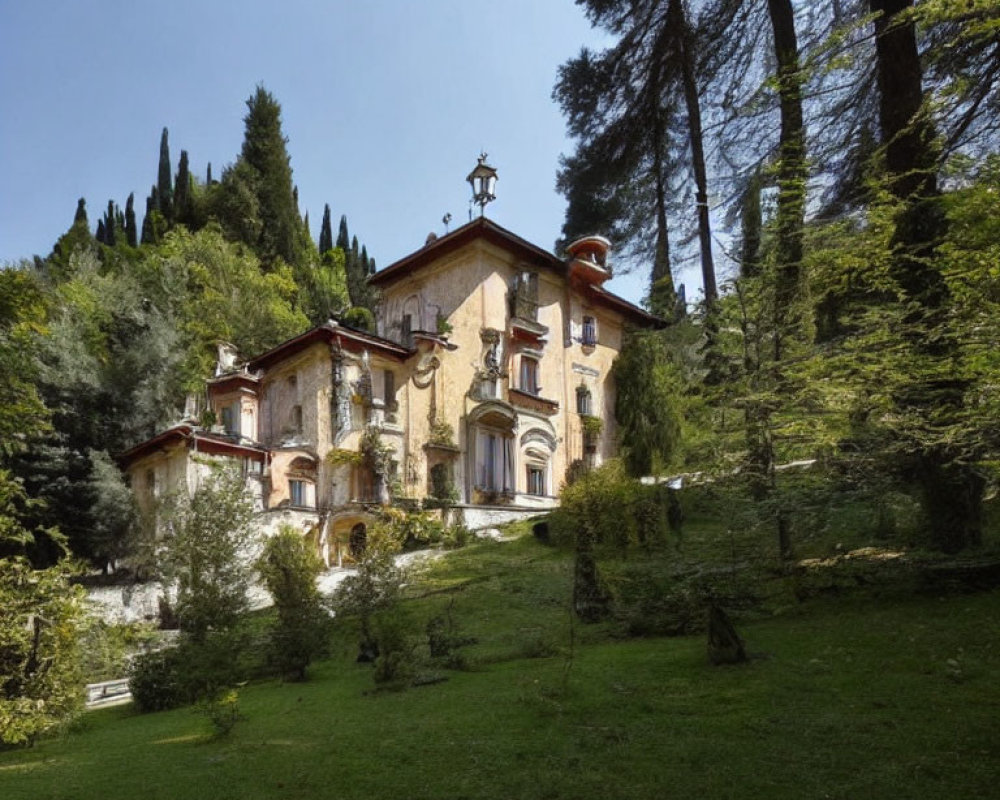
109 224
165 191
99 235
182 192
131 234
208 174
147 222
265 153
343 240
325 232
81 212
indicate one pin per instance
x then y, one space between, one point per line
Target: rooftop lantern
483 180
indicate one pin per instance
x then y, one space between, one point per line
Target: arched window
537 447
302 483
491 432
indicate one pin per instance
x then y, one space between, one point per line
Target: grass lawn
849 698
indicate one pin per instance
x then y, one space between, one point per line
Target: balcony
531 402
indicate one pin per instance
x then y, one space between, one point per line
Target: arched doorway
358 540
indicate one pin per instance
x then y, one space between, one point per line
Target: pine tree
165 192
131 233
325 232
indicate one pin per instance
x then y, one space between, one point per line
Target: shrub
207 555
360 318
289 568
374 586
457 536
155 681
223 711
194 670
398 660
443 640
618 511
41 614
107 648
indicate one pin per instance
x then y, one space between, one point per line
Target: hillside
877 693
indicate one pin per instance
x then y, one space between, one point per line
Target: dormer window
589 336
529 376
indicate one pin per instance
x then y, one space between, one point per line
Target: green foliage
207 553
443 489
648 405
114 511
360 318
223 712
397 641
164 183
270 174
325 232
41 619
413 529
289 568
442 433
107 648
616 510
195 671
22 320
154 680
222 295
374 587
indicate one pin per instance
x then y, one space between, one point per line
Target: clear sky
385 103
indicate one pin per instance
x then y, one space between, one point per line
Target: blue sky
385 103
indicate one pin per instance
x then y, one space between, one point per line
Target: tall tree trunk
662 294
951 490
791 173
678 23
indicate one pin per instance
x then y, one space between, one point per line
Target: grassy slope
853 699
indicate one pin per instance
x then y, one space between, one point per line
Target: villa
487 382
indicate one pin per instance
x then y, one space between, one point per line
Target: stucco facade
488 379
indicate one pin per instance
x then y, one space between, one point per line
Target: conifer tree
99 234
264 151
343 239
208 174
131 233
110 224
147 219
165 193
77 237
182 192
325 232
